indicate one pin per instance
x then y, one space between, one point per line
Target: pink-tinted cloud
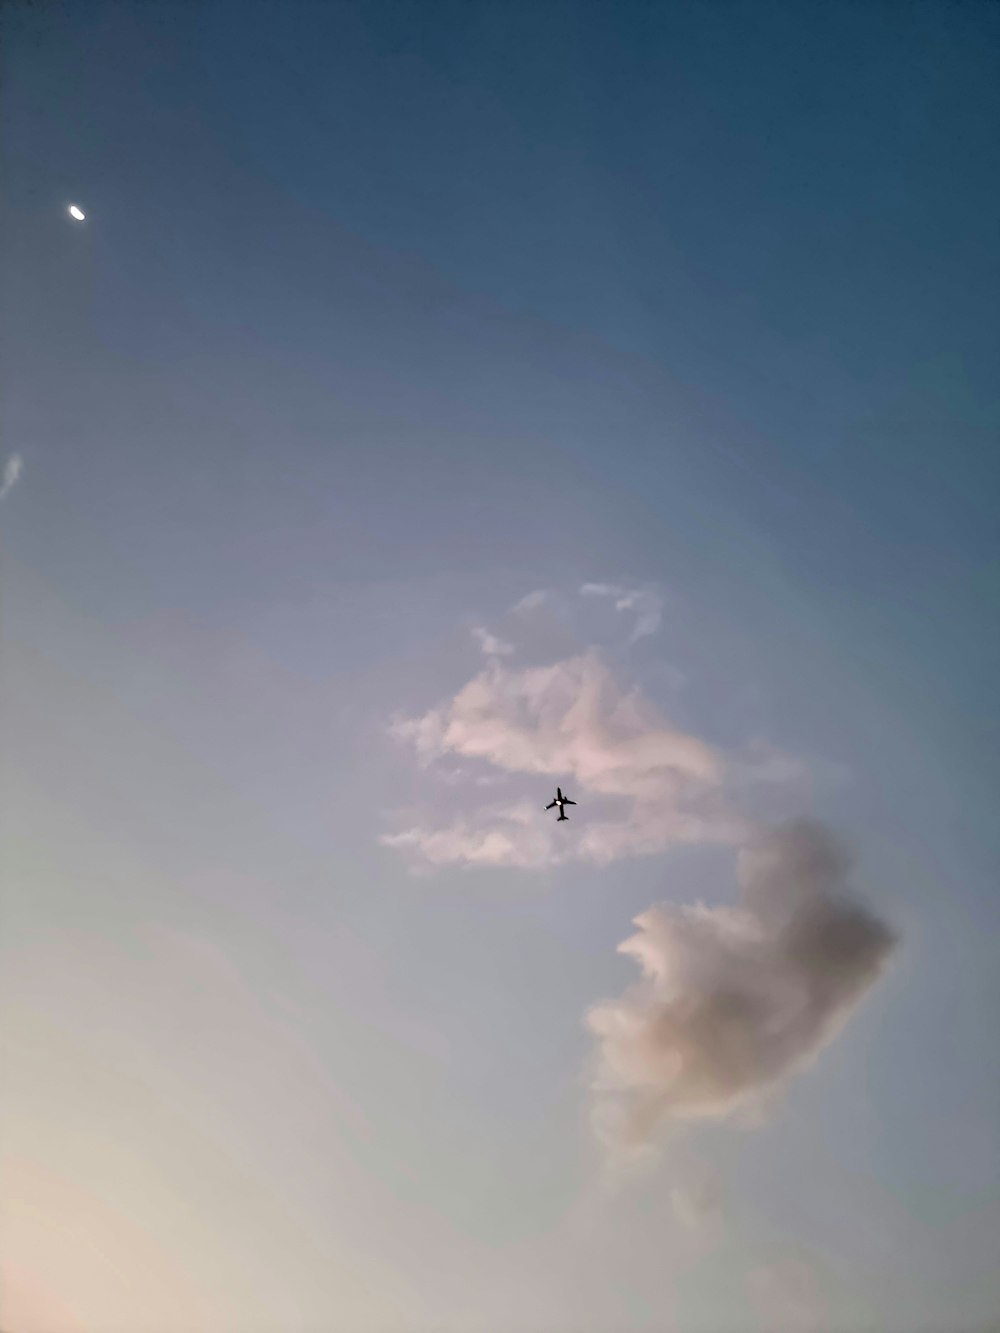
500 836
649 785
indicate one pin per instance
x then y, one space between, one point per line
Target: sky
439 403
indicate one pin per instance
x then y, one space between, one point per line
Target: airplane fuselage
560 801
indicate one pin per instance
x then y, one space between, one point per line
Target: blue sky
385 317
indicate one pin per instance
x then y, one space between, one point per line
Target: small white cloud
648 608
645 602
734 999
490 645
12 471
532 601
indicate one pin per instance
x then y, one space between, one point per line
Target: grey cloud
734 999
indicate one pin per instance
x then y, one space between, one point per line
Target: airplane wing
551 804
567 801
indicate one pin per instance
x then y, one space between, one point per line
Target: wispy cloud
646 603
12 470
697 1206
490 644
512 835
532 601
655 785
734 999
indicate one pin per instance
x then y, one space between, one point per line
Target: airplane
560 801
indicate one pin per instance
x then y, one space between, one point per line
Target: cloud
650 785
532 601
734 999
511 836
696 1206
645 602
490 645
12 470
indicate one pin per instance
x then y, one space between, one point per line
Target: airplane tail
562 816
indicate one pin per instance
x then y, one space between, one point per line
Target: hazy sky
441 402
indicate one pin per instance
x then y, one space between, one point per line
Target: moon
76 213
